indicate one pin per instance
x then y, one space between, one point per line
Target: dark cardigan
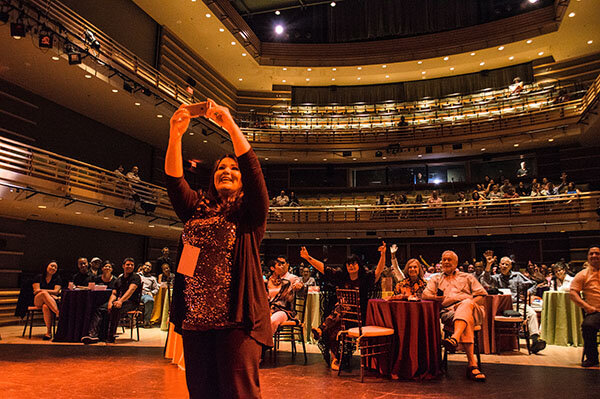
249 304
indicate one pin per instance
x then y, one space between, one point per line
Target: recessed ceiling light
191 133
78 213
332 79
482 63
279 29
295 159
454 235
500 48
420 156
324 159
419 62
151 225
590 41
551 140
387 76
541 53
571 15
423 73
240 79
283 81
137 104
233 43
472 54
244 54
309 69
159 116
56 58
266 159
332 4
483 149
308 79
208 15
452 68
384 66
446 58
529 41
277 12
512 57
42 206
105 218
130 222
354 159
359 68
221 30
516 145
115 90
383 157
285 69
334 69
358 78
205 141
88 76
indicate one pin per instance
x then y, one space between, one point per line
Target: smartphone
198 109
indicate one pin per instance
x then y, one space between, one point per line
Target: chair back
523 291
349 307
300 305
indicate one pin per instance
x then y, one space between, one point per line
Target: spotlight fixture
279 29
17 30
45 39
91 40
332 4
128 87
73 55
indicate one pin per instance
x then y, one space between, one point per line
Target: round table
561 320
312 315
160 312
416 350
76 310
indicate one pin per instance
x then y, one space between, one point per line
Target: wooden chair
30 316
293 330
370 341
132 318
447 333
510 326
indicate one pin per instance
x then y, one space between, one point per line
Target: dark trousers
589 330
113 315
330 328
221 364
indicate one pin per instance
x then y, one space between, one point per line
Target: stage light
17 30
279 29
127 87
73 55
91 40
45 39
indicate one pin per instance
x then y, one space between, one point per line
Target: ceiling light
387 76
541 53
500 48
452 68
285 69
384 66
240 79
359 68
512 57
208 15
383 157
516 145
88 76
277 12
115 90
221 30
423 73
551 140
105 217
78 213
472 54
332 79
56 58
295 159
571 15
332 4
137 104
266 159
233 43
420 156
191 133
446 58
533 1
308 79
309 69
354 159
283 81
151 225
130 222
205 141
529 41
334 69
244 54
159 116
590 41
279 29
419 62
324 159
358 78
483 149
42 206
482 63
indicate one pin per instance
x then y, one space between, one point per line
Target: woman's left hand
219 114
382 248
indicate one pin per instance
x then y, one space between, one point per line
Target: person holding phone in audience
219 302
46 289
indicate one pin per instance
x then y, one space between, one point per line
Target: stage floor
128 369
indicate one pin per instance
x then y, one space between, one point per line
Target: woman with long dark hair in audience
413 285
219 302
46 289
352 275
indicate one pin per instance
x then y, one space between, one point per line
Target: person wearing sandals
458 293
46 289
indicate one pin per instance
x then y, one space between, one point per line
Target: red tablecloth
416 349
76 310
494 305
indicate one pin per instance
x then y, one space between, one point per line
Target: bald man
513 280
459 294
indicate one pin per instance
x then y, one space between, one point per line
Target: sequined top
208 293
405 287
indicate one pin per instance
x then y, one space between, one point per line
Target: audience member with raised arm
585 293
219 304
352 275
460 295
46 289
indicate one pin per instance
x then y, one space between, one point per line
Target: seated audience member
482 274
418 199
413 285
587 282
430 272
571 189
561 281
392 200
307 279
351 276
294 201
166 276
282 199
510 193
550 189
532 272
536 190
282 286
435 201
46 289
459 294
517 281
149 290
403 122
522 190
125 297
516 87
95 267
106 278
133 174
82 277
119 172
495 194
162 259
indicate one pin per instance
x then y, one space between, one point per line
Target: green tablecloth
561 320
312 315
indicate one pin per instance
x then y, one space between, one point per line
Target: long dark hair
361 269
210 202
45 268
